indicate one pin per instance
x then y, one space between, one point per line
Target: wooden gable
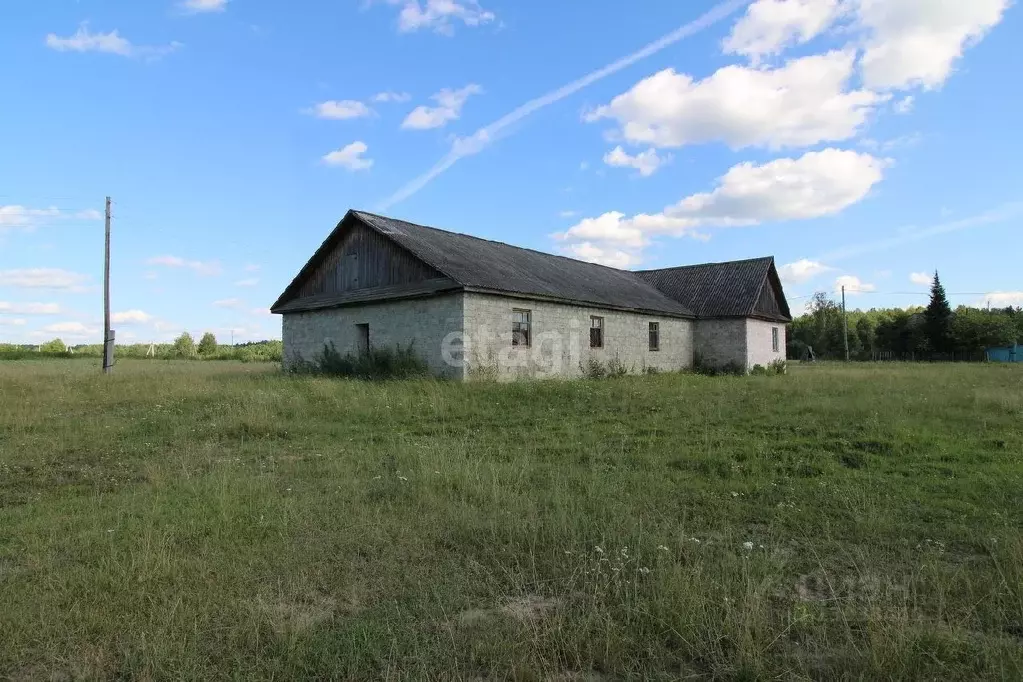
771 302
364 259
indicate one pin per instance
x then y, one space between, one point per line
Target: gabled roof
730 289
487 266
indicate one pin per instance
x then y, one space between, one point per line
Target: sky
864 143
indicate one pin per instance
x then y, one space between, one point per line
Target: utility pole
108 334
845 326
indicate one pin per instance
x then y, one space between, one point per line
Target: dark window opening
775 346
596 332
521 322
362 338
655 336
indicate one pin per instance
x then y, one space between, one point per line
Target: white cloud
646 162
260 312
802 103
1002 299
23 217
449 108
388 96
208 268
203 6
922 278
250 282
440 16
131 317
567 214
593 253
7 308
904 105
770 26
234 303
853 285
110 43
73 329
341 110
815 185
801 271
350 157
44 278
12 322
916 43
252 267
612 227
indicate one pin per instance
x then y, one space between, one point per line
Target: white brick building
471 307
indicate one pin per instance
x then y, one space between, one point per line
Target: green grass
203 521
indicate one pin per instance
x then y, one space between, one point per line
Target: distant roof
729 289
475 264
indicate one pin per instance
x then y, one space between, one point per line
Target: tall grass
212 520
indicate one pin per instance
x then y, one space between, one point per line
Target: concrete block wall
720 342
426 323
759 346
561 338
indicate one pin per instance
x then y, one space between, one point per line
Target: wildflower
598 549
644 570
662 548
402 478
735 494
748 546
376 478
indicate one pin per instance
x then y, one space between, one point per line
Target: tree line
184 347
933 332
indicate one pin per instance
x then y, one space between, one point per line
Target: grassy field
203 521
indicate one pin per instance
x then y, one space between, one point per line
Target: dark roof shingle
477 263
728 289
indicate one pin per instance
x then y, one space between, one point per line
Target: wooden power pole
108 334
845 326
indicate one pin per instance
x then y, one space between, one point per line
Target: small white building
472 306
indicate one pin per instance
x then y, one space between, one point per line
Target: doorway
362 338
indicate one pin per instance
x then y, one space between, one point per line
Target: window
774 339
362 338
596 332
655 336
521 320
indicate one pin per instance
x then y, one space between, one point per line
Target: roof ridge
704 265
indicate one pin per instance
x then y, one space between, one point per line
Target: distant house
1012 353
465 303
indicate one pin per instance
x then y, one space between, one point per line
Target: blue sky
863 142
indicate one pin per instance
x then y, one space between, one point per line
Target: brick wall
426 323
561 341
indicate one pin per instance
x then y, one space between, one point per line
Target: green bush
377 364
54 347
593 369
208 345
184 346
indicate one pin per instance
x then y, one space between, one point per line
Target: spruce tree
938 318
